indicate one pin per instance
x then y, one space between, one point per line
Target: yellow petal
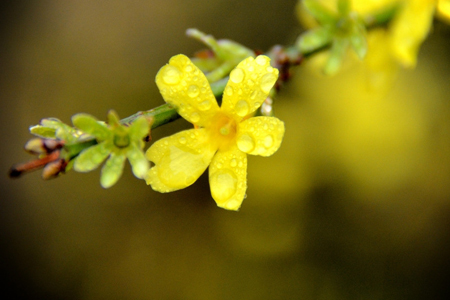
443 10
249 85
228 178
410 29
260 135
179 160
183 85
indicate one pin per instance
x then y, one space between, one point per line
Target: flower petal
180 160
90 125
112 170
228 178
90 158
260 135
249 85
183 85
139 164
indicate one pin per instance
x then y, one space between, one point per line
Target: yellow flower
222 137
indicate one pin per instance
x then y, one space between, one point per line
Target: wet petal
228 178
90 125
183 85
139 164
260 135
249 85
112 170
179 160
90 158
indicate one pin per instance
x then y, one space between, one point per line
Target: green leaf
139 129
139 164
337 54
90 125
314 39
322 14
358 40
90 158
42 131
112 170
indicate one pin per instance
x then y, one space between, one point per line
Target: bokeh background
354 205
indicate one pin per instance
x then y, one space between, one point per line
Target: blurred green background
354 205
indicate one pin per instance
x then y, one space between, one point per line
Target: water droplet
182 140
265 126
193 91
250 82
267 82
205 105
251 69
240 164
188 68
229 91
268 141
241 108
269 69
219 165
237 75
253 95
171 75
245 143
257 104
262 60
195 78
195 117
225 185
233 163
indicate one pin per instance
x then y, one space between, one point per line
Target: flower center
121 140
223 130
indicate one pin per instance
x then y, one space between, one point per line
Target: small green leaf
90 125
337 54
139 164
322 14
314 39
358 40
139 129
42 131
112 170
90 158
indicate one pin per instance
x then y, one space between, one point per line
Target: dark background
354 205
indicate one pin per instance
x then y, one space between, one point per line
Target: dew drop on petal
188 68
253 95
268 141
219 165
229 91
250 82
205 105
261 60
233 163
237 75
182 140
195 117
241 108
225 185
193 91
267 82
171 75
257 105
245 143
251 69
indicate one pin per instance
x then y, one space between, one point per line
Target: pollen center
223 130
